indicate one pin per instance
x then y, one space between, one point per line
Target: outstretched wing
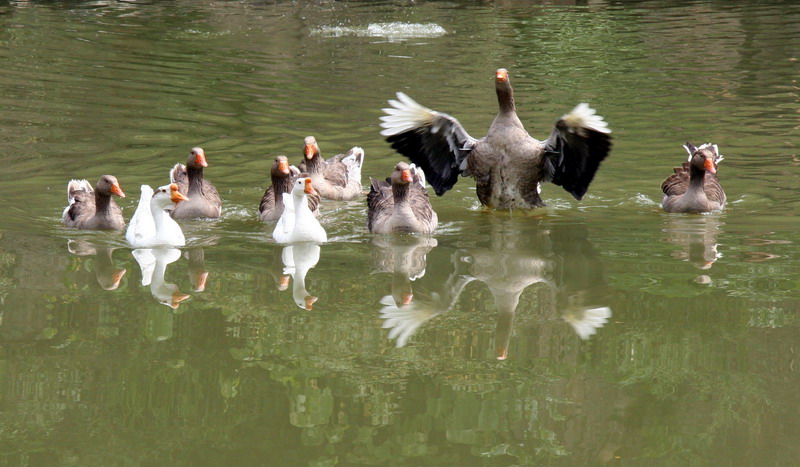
580 140
434 141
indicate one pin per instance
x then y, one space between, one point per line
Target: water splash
395 31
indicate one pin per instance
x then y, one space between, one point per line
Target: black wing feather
572 157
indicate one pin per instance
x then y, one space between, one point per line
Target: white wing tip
583 116
77 185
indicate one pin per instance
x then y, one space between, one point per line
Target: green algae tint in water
624 334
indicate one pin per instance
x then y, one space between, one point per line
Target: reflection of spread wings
403 320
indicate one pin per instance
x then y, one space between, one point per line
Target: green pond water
629 336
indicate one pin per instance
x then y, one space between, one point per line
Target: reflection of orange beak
709 166
200 281
308 189
407 176
501 75
501 353
177 298
283 283
175 195
117 190
309 151
310 302
406 298
200 159
116 277
283 166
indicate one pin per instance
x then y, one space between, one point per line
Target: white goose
151 225
297 223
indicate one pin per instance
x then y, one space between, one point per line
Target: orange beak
283 283
709 166
501 75
309 151
407 176
200 159
308 189
117 190
406 298
309 302
175 195
501 353
200 281
177 298
283 166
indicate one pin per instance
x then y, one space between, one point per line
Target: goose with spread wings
508 165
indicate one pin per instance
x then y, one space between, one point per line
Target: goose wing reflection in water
107 275
297 260
559 257
153 263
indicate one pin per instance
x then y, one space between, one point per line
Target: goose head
108 185
197 158
704 158
402 174
167 196
302 187
280 169
311 148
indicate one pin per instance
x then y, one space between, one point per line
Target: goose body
400 204
203 198
297 223
93 209
508 165
150 224
338 178
283 176
695 187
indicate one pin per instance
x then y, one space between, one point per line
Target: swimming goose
400 204
694 187
203 198
283 175
337 178
93 209
508 165
297 223
150 224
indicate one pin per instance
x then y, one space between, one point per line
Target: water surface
623 334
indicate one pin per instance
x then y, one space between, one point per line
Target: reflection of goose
150 224
405 258
108 276
153 263
697 238
510 263
297 260
197 269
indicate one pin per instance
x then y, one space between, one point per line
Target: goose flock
507 164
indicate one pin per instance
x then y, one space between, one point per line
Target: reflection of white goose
108 276
153 263
151 225
297 260
297 223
